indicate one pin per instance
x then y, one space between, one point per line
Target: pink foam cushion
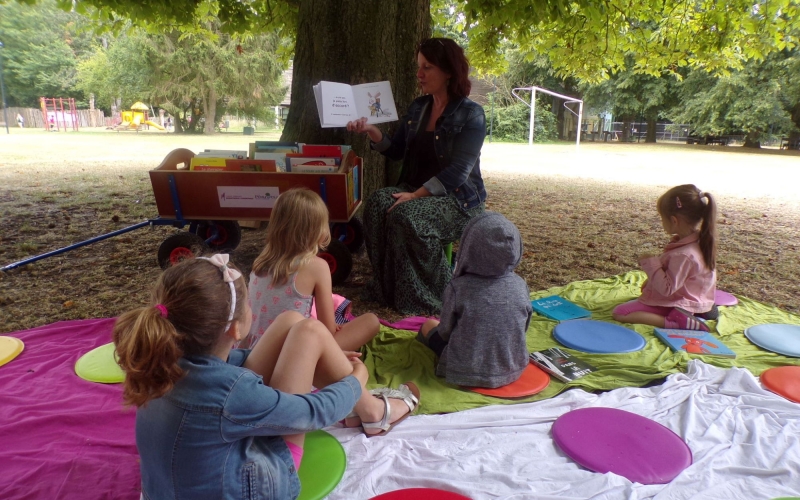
627 444
532 381
724 298
420 494
784 381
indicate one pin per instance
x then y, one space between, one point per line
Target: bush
512 124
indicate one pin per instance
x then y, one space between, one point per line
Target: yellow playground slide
154 124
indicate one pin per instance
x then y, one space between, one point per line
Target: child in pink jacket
680 286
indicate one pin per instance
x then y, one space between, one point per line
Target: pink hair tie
162 309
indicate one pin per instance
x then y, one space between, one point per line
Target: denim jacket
459 135
216 434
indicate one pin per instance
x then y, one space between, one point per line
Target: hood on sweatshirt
490 246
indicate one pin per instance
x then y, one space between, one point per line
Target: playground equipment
212 203
136 118
58 117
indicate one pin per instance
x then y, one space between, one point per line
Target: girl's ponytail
708 231
148 349
196 303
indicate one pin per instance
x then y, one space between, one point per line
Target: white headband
229 275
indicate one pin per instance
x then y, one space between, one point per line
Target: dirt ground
584 213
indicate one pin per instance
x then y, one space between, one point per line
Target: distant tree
209 73
629 95
43 46
119 75
753 101
200 74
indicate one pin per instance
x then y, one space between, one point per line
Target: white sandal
408 393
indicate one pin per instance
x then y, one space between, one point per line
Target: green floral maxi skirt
406 249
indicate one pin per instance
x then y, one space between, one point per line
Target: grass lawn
583 212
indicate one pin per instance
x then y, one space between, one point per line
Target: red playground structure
56 116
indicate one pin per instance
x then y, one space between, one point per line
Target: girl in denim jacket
440 187
680 286
214 422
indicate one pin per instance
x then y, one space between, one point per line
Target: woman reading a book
440 189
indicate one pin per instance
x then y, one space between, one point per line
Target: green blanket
394 357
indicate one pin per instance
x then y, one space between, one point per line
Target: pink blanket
61 436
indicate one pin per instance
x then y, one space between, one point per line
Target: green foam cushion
100 365
322 467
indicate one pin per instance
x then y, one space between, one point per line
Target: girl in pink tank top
288 275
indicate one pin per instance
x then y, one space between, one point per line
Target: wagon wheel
229 234
339 260
178 247
353 232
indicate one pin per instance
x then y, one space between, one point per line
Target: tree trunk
751 140
794 135
375 41
627 122
195 116
651 130
210 111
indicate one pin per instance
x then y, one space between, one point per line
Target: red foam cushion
532 381
420 494
784 381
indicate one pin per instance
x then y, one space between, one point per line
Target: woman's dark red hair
448 57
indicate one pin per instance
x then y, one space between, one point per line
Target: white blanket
745 442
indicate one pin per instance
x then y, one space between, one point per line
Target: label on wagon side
247 196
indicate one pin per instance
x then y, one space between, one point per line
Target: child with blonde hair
216 422
288 275
681 282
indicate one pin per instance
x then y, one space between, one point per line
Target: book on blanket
561 364
559 308
694 342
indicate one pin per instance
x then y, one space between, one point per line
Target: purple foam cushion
724 298
629 445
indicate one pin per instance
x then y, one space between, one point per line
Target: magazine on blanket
694 342
559 308
561 364
339 103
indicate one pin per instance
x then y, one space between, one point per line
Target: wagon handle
174 157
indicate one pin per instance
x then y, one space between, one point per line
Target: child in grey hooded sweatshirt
486 309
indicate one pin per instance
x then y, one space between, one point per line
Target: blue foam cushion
783 339
597 337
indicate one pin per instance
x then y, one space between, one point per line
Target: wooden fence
33 117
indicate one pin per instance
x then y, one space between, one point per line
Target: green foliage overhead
591 39
587 39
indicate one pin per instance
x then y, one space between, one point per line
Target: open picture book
339 103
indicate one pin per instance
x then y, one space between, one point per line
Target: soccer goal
567 100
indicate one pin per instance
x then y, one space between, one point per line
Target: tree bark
751 141
210 110
627 122
374 41
651 130
794 135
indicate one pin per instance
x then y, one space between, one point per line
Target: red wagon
212 202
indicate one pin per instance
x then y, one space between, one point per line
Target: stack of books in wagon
273 150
